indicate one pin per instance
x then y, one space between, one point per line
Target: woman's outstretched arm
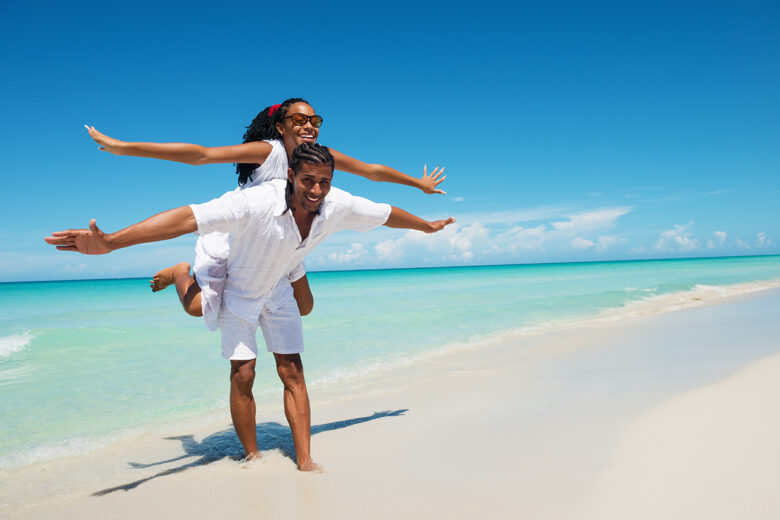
252 152
379 172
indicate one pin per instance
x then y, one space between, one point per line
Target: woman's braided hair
263 128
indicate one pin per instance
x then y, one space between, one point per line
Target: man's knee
242 373
290 369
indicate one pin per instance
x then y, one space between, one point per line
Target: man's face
310 185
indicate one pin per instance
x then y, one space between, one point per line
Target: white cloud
565 234
718 240
678 239
355 251
457 199
581 243
463 240
455 243
762 240
389 250
607 241
574 233
500 237
743 245
520 238
591 220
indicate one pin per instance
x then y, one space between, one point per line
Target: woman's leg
186 286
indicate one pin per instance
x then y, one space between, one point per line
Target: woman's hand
107 144
430 182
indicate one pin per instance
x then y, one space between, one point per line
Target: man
272 227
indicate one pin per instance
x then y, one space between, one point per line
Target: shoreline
515 423
355 376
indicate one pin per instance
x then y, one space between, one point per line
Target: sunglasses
299 119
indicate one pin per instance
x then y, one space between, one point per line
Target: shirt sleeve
227 214
364 215
298 272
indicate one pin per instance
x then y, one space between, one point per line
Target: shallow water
84 362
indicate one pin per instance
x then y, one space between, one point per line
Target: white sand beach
667 416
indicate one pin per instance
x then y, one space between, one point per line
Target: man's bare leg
242 405
186 286
296 407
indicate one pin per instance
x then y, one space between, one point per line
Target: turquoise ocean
84 362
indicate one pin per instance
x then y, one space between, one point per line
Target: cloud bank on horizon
533 235
519 237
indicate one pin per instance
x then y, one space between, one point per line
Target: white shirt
265 243
213 249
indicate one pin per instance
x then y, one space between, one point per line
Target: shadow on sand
271 436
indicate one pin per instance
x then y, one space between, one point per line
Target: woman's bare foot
167 276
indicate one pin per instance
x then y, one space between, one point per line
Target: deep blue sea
85 361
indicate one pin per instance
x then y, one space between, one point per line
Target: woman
268 144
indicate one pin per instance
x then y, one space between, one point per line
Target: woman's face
293 136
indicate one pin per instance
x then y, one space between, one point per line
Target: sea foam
650 305
15 343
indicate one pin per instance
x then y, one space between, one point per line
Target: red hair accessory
273 109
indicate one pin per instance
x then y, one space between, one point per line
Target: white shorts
282 331
210 269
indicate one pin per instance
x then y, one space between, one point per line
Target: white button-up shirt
265 243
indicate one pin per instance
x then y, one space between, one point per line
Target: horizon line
664 259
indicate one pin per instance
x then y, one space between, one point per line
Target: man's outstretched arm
403 219
163 226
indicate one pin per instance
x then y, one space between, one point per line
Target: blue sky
570 132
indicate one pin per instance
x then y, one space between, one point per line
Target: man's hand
404 220
107 144
430 182
438 225
90 241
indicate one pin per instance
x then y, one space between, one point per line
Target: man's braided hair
309 153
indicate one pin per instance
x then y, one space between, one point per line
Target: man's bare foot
167 276
310 466
254 456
